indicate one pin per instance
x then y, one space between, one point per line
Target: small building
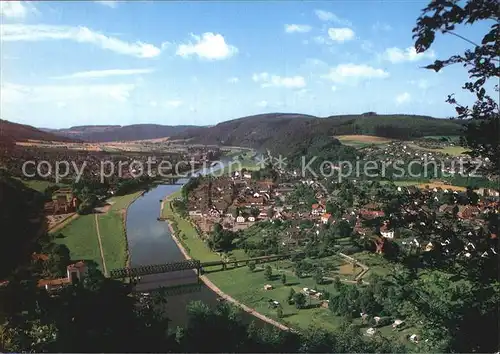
251 219
317 209
386 232
194 213
268 287
370 331
326 218
414 338
240 219
76 271
397 323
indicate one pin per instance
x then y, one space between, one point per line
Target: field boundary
100 245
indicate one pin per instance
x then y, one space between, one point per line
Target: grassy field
247 163
188 234
40 186
111 227
123 201
451 150
114 243
80 236
248 287
362 140
402 183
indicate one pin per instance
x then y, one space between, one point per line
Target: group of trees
21 220
221 239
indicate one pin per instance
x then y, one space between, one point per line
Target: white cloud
16 9
267 80
297 28
334 88
153 103
109 3
340 34
262 104
403 98
174 103
209 45
397 55
105 73
328 16
233 80
14 93
31 33
352 72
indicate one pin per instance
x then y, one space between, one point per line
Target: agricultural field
450 150
362 140
439 184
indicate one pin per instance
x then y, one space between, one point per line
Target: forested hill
281 132
11 132
107 133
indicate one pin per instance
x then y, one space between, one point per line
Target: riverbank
205 256
124 226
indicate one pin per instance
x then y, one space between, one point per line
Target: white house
247 175
194 213
387 233
240 219
251 218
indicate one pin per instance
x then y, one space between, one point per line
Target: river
150 242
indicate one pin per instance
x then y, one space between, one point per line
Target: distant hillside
107 133
11 132
283 132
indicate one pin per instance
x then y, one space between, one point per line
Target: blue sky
108 62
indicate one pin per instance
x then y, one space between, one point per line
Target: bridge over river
196 265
